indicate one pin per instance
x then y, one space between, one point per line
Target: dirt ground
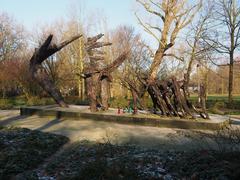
86 129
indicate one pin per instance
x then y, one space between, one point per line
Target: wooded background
197 41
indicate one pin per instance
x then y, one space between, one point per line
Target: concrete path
235 119
102 131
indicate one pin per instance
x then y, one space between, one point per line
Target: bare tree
134 68
174 16
12 48
11 37
224 35
198 50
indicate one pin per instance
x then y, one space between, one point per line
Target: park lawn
16 102
12 102
217 97
23 149
217 104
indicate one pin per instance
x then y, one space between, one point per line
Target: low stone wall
127 119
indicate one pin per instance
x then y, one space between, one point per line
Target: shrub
148 104
48 101
233 105
75 100
119 102
5 104
216 108
34 101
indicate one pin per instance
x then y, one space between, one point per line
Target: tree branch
173 55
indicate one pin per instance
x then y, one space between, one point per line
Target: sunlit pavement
235 119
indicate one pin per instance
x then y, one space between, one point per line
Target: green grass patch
123 102
15 102
36 101
218 104
76 100
5 104
9 103
216 97
23 149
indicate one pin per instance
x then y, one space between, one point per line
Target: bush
216 108
147 103
119 102
233 105
36 101
75 100
123 102
5 104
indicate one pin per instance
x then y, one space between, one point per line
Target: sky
32 12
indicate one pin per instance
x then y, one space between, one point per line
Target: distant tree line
198 42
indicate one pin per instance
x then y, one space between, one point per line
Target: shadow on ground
11 120
49 124
100 131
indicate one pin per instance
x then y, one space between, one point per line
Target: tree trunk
155 66
203 96
134 96
230 83
3 92
189 70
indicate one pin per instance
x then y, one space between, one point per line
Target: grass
23 149
217 97
217 104
15 102
221 98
